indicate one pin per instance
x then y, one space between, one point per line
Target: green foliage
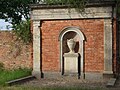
14 10
7 75
22 30
78 4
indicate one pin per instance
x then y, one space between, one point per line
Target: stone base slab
93 76
87 76
108 76
52 75
37 74
71 62
98 76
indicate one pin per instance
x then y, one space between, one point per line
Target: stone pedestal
71 64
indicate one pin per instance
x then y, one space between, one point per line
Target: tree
22 31
15 10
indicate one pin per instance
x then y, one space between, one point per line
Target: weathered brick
14 54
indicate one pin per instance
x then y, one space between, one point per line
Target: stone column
36 50
108 46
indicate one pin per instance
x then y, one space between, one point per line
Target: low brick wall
13 53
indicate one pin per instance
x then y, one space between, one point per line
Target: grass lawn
7 75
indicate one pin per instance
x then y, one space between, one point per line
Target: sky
3 25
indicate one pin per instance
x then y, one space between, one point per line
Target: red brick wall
13 53
93 45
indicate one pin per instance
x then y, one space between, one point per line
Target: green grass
7 75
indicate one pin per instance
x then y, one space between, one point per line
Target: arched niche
77 35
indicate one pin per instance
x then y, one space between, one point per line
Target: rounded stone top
69 29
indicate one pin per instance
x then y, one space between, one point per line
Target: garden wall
13 52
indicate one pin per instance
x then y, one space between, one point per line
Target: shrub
23 32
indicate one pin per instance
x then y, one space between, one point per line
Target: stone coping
95 4
20 80
111 82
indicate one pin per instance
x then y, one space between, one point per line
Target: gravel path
71 82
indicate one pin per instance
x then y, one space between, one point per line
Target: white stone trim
64 13
36 49
108 47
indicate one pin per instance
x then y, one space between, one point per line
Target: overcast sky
3 24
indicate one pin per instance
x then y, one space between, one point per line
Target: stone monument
71 60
